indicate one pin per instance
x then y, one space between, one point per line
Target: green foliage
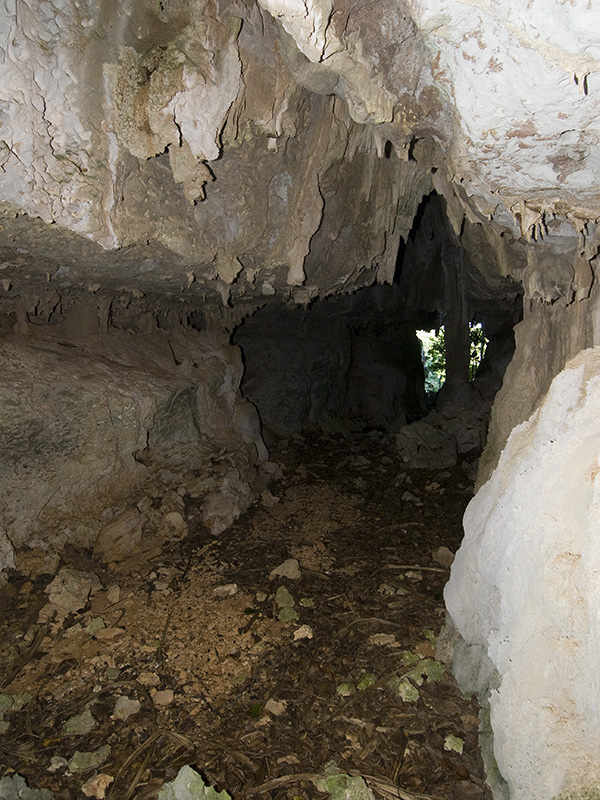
434 354
434 358
478 346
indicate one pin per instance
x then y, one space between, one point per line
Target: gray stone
423 446
71 588
14 787
118 539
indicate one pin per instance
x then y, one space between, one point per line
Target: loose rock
118 539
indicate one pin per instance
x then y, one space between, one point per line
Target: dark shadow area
354 363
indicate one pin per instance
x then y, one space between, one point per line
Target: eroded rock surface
524 592
91 420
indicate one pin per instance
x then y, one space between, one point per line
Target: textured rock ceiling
283 147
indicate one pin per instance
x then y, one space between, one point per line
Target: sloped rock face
92 419
524 593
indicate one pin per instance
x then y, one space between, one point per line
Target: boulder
524 594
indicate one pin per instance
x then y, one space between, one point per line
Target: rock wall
346 362
198 126
104 404
524 594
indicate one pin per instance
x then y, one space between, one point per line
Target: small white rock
289 569
303 632
227 590
276 707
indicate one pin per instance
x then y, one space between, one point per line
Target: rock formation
185 178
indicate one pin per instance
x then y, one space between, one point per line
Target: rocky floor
298 644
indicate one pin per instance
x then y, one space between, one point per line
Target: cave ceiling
235 152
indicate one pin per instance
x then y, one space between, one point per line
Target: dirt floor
261 673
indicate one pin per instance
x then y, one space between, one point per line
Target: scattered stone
289 569
444 557
423 446
283 598
112 673
454 743
467 790
175 524
14 787
276 707
36 562
288 614
409 497
56 763
80 724
94 626
303 632
125 707
106 634
188 785
227 590
113 594
382 639
82 760
268 500
148 679
221 508
163 698
70 589
97 786
118 539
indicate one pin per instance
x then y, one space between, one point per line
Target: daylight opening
433 349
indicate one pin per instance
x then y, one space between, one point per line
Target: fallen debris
169 672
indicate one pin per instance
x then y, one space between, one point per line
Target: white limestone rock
525 591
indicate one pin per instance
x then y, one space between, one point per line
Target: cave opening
370 359
271 589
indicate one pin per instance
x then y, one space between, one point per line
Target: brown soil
255 708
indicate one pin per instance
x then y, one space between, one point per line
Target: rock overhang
312 131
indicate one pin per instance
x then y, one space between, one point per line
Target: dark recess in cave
354 362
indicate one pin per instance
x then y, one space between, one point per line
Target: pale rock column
524 594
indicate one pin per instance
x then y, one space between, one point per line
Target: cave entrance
438 339
297 644
434 356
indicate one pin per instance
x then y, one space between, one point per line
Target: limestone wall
524 593
95 420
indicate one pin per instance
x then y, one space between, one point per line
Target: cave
241 546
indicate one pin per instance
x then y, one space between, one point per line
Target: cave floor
206 672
